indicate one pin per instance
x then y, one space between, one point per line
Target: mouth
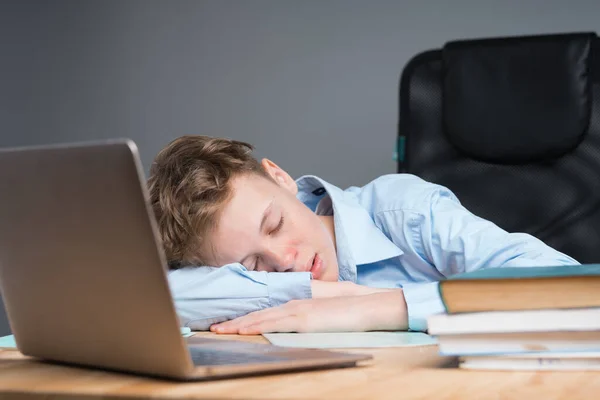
316 267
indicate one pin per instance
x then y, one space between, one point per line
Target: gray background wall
311 83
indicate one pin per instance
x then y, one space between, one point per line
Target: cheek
295 233
305 229
293 242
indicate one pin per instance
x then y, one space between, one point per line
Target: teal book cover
531 272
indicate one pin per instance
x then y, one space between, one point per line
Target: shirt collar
358 239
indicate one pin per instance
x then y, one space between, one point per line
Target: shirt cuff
422 301
287 286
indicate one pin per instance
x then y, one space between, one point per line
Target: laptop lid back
81 268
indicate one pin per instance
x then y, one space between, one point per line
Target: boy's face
266 228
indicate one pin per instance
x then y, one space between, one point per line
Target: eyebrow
266 214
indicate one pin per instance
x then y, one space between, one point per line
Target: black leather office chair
512 127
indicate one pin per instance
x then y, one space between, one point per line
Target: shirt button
319 192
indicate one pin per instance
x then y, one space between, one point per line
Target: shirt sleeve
207 295
451 240
457 241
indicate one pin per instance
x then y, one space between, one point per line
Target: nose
284 260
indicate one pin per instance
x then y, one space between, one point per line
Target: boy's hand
379 311
322 289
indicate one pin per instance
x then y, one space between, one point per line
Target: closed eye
278 227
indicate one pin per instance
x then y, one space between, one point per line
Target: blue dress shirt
398 231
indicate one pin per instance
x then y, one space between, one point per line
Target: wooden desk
395 373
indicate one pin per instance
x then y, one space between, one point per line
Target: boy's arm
382 311
207 295
452 240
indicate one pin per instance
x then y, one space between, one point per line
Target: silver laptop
83 273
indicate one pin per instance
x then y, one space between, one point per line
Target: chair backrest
512 127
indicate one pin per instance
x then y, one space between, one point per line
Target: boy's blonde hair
189 184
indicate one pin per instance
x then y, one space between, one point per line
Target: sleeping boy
251 250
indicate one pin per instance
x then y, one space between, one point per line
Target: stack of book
530 318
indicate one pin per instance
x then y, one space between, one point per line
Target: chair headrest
518 100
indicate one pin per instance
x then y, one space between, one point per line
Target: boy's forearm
386 311
379 309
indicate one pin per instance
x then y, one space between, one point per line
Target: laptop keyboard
204 356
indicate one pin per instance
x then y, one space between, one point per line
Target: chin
329 277
331 273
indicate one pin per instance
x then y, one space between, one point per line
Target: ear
281 177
